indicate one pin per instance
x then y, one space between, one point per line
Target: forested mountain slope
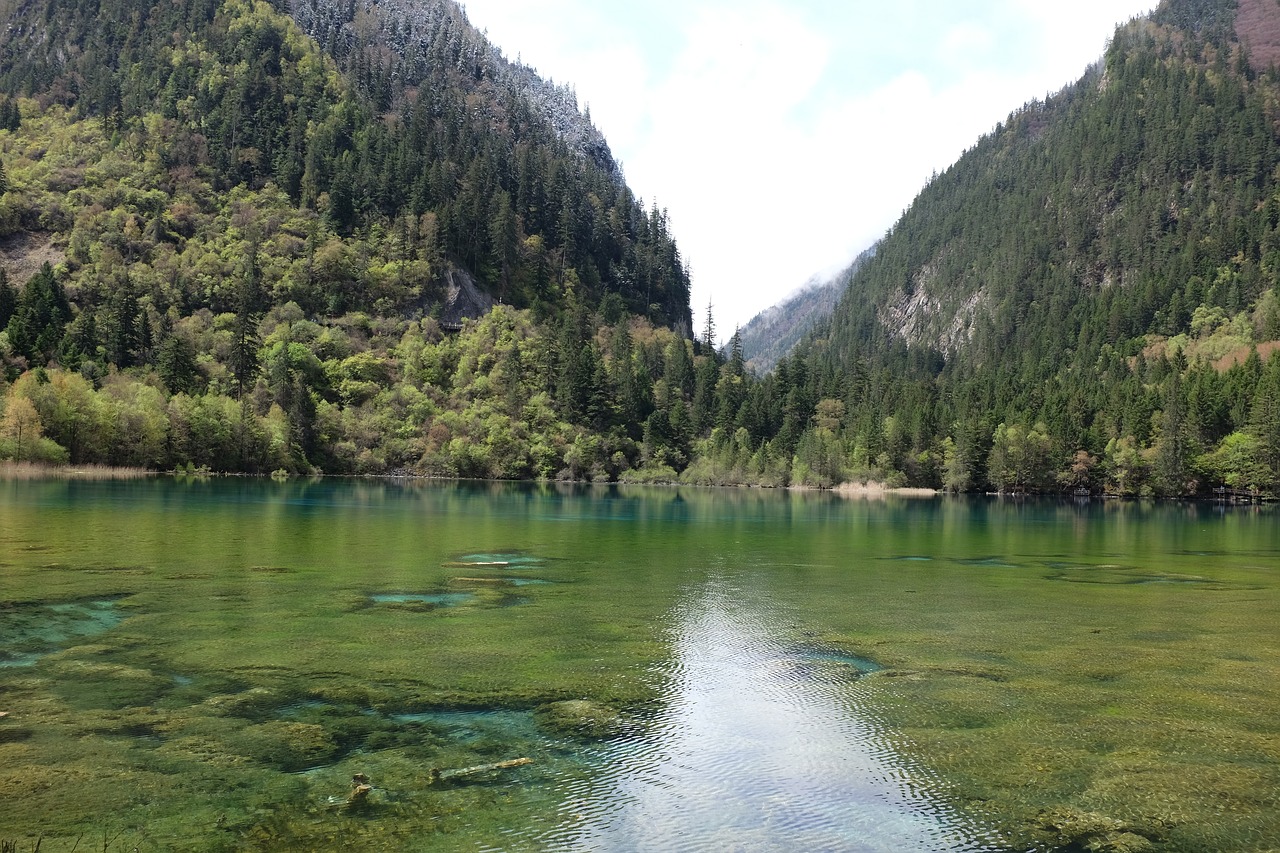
1086 299
249 245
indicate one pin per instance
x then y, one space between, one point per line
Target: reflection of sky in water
439 599
759 747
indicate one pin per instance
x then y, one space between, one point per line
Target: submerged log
438 775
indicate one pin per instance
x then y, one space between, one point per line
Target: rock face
464 300
921 318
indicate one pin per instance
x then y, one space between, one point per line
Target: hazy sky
786 137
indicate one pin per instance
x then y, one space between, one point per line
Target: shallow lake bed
208 666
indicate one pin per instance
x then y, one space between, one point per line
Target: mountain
392 48
775 331
1085 300
248 237
429 118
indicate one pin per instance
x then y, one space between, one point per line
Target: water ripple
758 746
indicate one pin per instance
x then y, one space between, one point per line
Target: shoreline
13 470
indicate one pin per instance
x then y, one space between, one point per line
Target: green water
206 665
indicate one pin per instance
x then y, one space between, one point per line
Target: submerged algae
32 629
1051 713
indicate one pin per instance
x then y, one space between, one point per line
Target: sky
786 136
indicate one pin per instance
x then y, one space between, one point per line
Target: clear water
206 666
29 631
755 749
439 599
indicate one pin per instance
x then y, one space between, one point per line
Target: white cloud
965 41
784 137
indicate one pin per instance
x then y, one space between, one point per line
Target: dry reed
12 470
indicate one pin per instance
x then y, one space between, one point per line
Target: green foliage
256 239
1021 459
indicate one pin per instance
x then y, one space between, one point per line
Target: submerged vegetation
230 248
219 697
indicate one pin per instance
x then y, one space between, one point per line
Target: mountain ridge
400 34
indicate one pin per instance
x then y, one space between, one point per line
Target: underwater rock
89 684
834 656
985 672
495 560
1076 830
32 630
422 600
579 718
206 749
354 695
11 735
1122 842
253 703
286 746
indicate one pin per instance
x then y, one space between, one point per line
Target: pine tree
1264 422
8 299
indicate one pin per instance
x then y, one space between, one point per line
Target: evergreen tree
176 364
8 299
1264 424
36 325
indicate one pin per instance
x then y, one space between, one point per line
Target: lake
237 664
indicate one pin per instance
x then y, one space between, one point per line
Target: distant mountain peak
774 332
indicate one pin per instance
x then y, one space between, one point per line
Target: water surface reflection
760 746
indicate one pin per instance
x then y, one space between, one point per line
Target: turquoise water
440 599
29 631
208 665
